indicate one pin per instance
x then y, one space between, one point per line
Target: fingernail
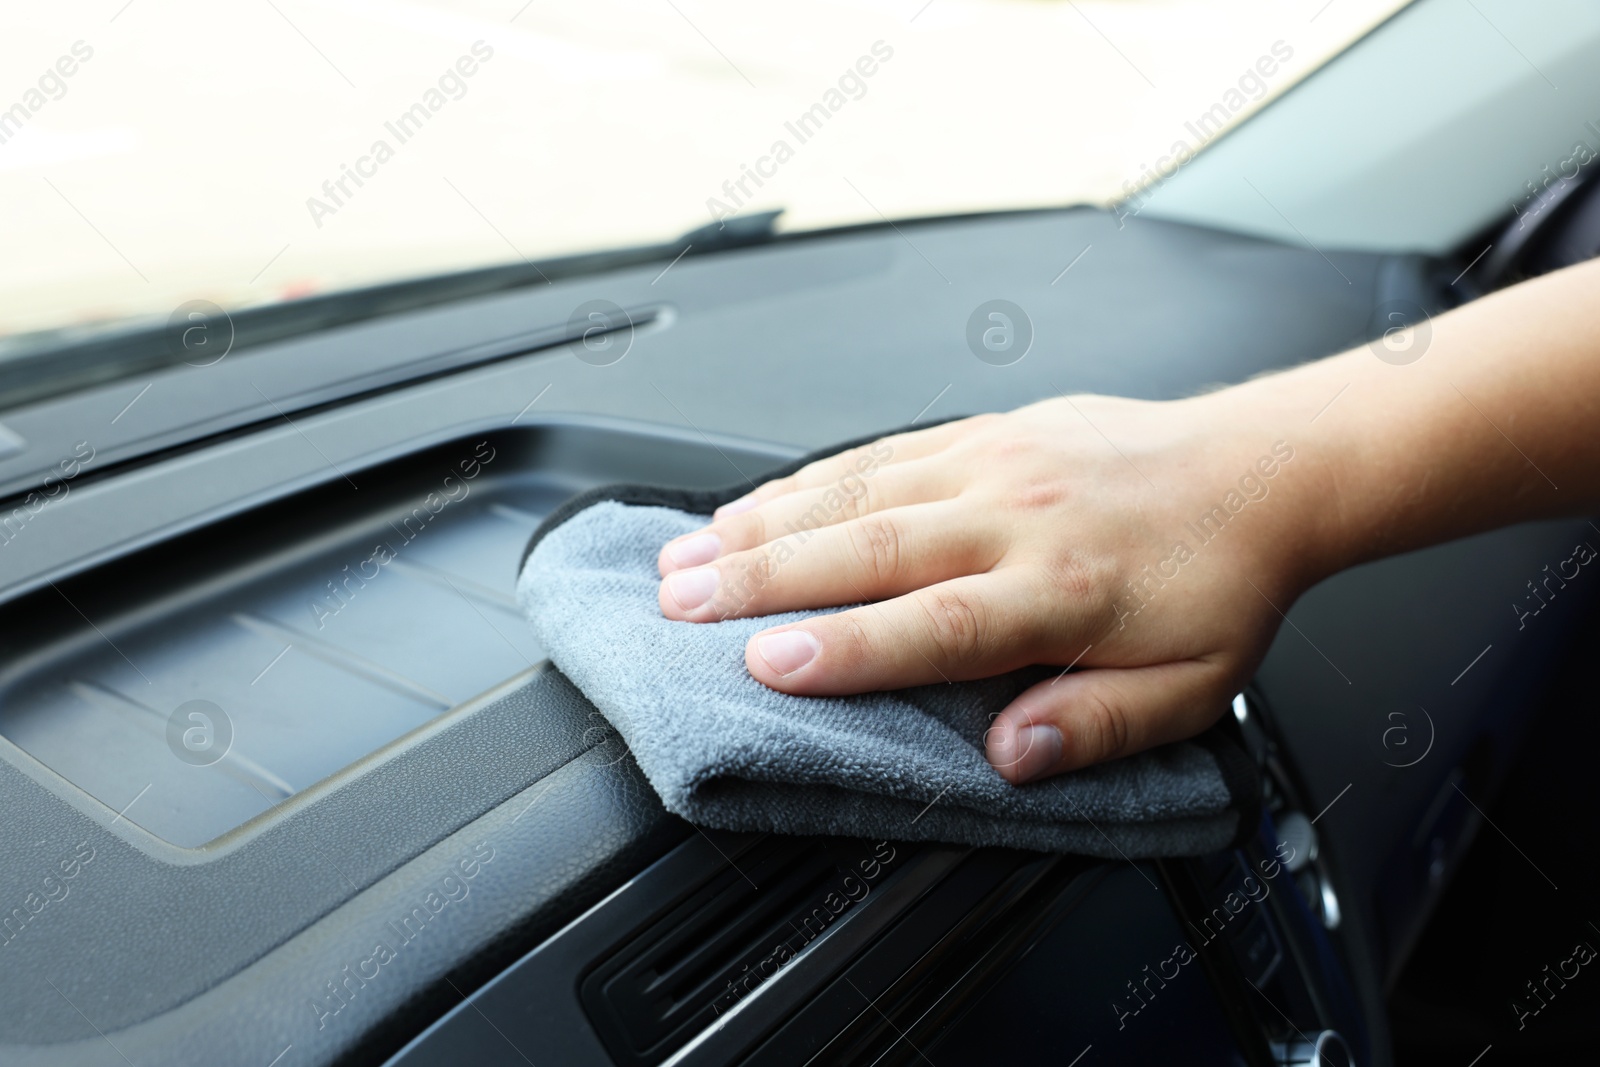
1038 750
744 503
692 588
788 650
693 551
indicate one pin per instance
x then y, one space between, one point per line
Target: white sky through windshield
155 153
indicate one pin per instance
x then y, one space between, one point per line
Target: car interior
404 837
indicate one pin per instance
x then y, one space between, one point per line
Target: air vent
723 942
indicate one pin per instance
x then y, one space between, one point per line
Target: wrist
1310 528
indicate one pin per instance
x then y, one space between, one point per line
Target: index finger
970 627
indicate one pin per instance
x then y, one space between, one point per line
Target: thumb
1085 717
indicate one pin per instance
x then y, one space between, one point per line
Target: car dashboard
268 697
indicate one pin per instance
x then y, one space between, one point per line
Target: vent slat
731 934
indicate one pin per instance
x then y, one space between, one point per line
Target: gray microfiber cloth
724 750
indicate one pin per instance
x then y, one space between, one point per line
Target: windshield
159 154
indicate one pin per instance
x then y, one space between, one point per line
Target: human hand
1156 566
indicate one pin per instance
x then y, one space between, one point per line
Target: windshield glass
157 154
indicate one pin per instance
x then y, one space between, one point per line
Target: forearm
1496 422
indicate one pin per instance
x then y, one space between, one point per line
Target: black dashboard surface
171 944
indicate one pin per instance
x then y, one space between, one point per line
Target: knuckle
1105 724
985 420
746 581
1074 577
878 544
848 641
1039 495
1010 447
858 497
817 472
737 590
747 530
955 625
780 486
